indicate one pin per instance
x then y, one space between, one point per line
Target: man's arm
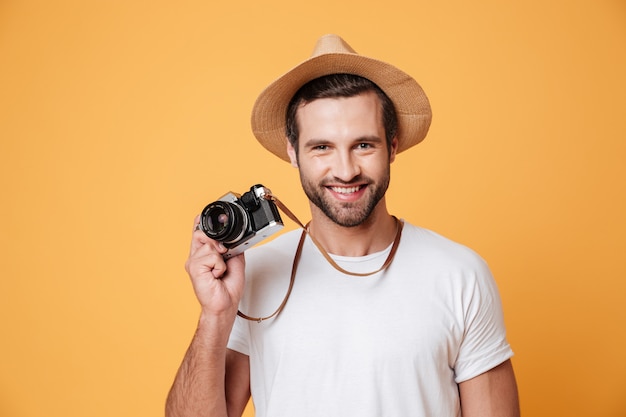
237 382
212 380
492 394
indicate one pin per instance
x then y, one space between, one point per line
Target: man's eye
364 145
321 147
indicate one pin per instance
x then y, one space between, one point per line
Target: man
384 318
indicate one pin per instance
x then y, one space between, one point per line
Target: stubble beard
343 213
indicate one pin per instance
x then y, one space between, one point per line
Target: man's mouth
347 190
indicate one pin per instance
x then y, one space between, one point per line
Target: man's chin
346 217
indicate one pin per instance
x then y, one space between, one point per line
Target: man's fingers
204 260
199 239
196 223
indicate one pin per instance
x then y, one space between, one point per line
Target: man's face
343 157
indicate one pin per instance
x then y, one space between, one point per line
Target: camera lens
223 221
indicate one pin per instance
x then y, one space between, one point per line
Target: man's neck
373 235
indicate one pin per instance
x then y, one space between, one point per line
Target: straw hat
332 55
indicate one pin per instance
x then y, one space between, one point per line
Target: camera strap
296 259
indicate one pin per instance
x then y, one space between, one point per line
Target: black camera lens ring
234 224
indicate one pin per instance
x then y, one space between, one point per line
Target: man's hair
334 86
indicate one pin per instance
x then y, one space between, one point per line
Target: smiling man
384 318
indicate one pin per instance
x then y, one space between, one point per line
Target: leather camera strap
296 259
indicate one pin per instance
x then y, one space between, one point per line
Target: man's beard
347 214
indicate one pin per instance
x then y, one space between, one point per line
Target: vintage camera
241 221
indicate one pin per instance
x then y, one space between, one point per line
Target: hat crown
331 44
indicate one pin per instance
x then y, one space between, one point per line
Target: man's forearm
198 388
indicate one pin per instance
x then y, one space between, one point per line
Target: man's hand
218 284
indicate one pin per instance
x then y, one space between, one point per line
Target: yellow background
120 120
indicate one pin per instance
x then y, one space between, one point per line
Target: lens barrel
223 221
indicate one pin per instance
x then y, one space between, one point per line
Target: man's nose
346 167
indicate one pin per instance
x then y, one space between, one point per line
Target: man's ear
292 155
393 150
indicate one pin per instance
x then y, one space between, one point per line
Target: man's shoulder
270 260
428 243
285 243
425 236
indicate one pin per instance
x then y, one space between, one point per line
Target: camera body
241 221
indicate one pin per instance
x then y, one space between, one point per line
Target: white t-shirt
391 344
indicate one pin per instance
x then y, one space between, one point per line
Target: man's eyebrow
370 138
318 142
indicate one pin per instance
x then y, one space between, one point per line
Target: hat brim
411 103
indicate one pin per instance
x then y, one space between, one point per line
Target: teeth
345 190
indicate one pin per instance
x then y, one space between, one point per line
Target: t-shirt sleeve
239 339
484 344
